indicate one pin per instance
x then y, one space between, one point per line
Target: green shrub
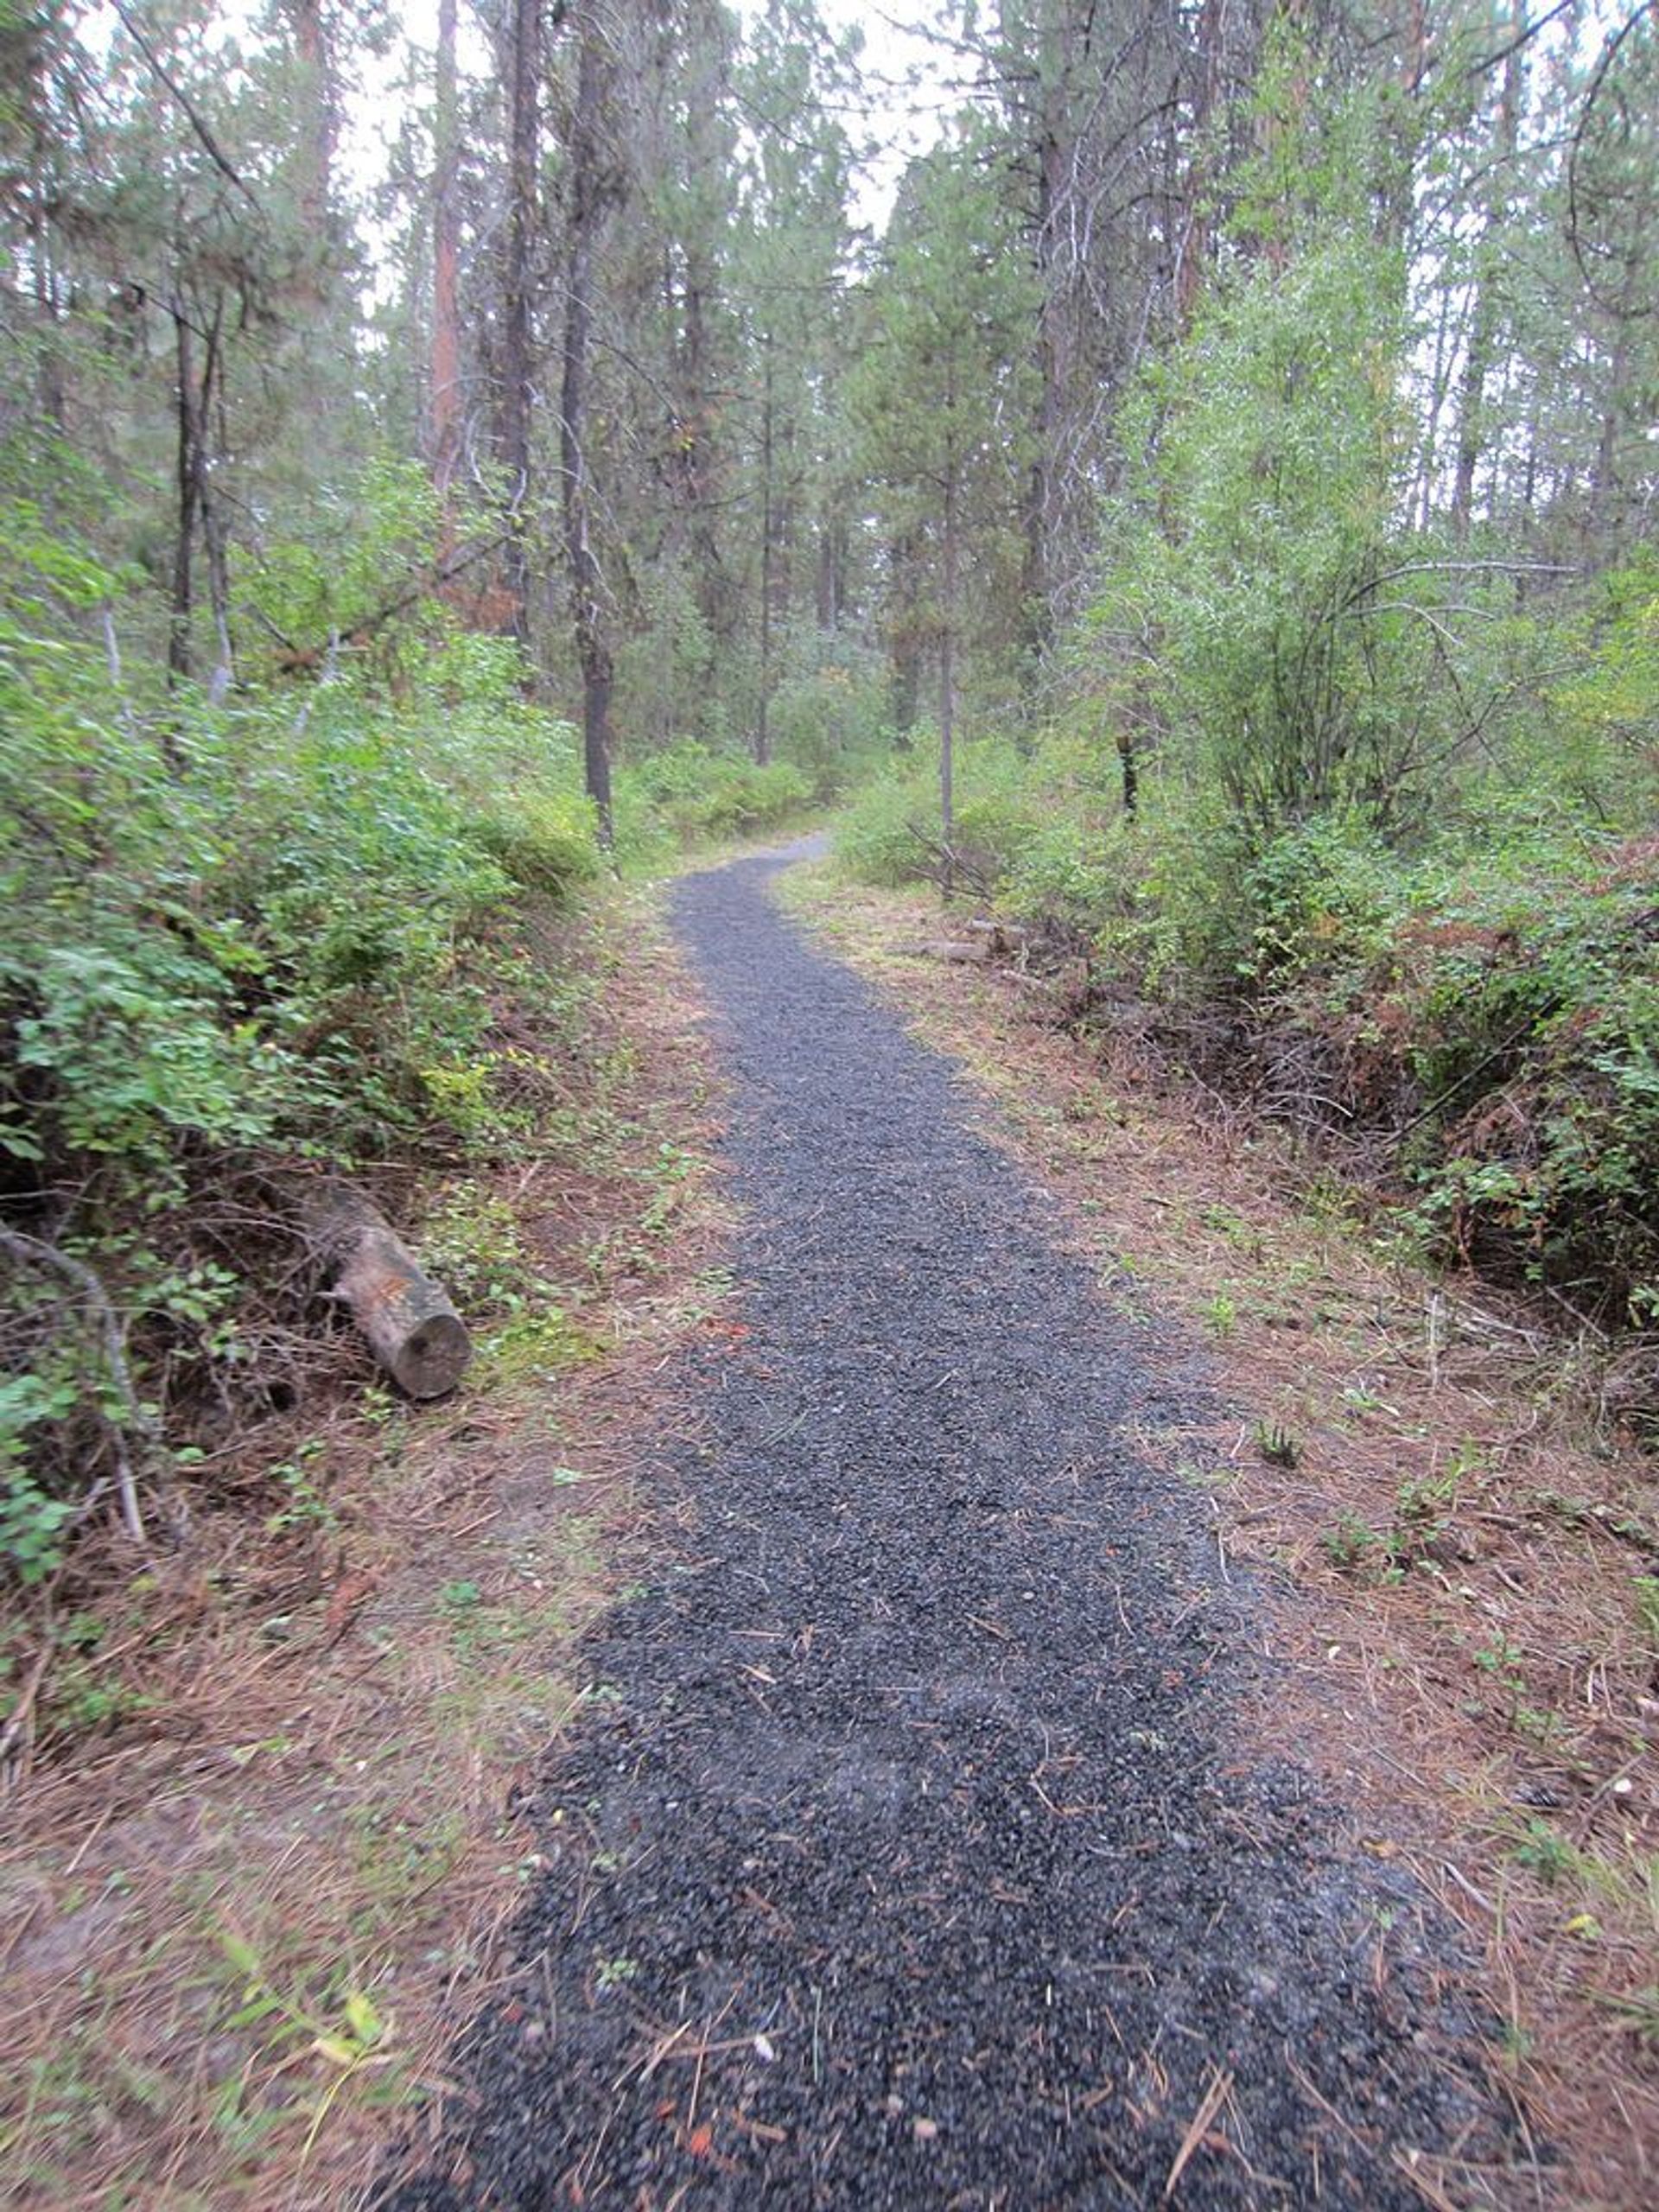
705 794
231 931
1534 1035
889 833
829 718
877 838
545 842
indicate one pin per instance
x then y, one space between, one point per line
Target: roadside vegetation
1352 799
275 1644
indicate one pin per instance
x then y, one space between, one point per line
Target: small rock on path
904 1855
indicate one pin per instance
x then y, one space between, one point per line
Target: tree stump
411 1328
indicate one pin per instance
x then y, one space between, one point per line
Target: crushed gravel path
905 1855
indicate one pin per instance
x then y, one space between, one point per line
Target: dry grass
258 1840
1457 1546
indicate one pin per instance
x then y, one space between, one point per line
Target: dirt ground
259 1831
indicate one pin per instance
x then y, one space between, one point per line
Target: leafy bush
876 838
1534 1035
228 933
705 794
889 833
546 841
829 718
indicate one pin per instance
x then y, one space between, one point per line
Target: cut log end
434 1358
412 1329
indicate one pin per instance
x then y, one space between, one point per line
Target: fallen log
412 1329
964 953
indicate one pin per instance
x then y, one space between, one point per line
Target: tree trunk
1197 243
516 364
411 1328
1484 317
948 682
320 121
588 596
446 261
762 729
188 480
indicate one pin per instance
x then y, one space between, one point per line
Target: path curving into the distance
904 1856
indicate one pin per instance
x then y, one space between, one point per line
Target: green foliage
232 930
828 716
703 794
32 1522
1264 619
1257 612
544 840
1611 696
1534 1031
380 524
889 833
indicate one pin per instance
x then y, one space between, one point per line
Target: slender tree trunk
587 595
50 371
1196 241
1037 620
187 480
1484 318
215 538
1603 518
446 259
516 364
948 681
762 729
197 396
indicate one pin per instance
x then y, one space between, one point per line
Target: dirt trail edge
904 1855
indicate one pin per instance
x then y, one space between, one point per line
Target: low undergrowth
1460 1005
245 939
273 1640
259 1780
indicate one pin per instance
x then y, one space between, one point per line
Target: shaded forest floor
1457 1545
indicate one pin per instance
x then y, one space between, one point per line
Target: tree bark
948 680
588 596
516 364
410 1325
319 121
188 483
1481 344
446 261
762 723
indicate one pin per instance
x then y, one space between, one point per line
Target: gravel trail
905 1855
